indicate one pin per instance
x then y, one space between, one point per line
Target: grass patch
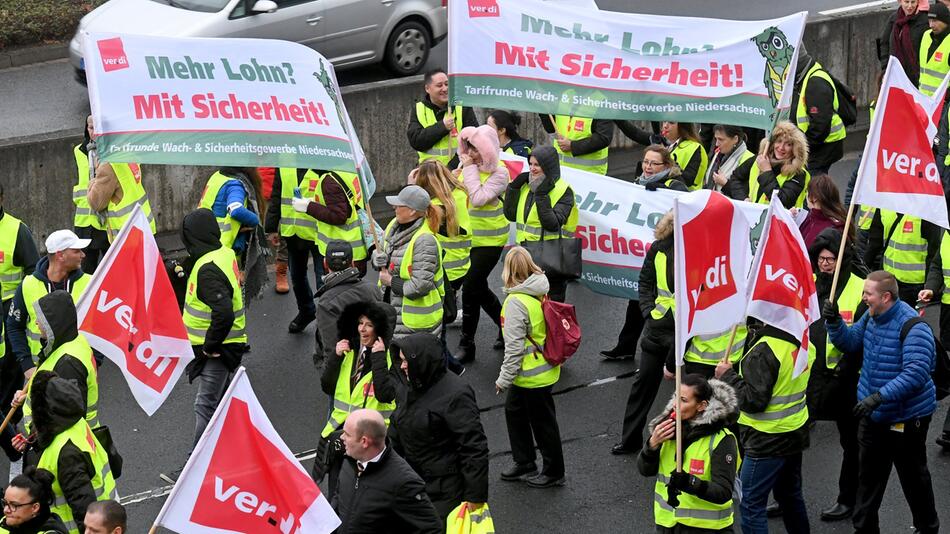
28 22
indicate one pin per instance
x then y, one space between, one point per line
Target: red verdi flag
782 287
242 477
711 248
130 314
898 171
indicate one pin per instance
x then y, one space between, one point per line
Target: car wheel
407 49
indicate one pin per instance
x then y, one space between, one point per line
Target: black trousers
654 347
476 293
879 448
848 474
532 419
632 327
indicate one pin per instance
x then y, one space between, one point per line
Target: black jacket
335 209
57 405
552 217
339 290
24 251
918 26
738 188
437 427
647 283
820 107
44 523
422 139
18 314
760 369
601 133
387 498
383 317
200 235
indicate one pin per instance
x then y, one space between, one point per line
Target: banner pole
732 339
554 125
153 530
679 421
844 239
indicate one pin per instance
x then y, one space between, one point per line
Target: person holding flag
896 400
434 125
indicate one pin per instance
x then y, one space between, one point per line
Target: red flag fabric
782 287
130 314
898 171
242 477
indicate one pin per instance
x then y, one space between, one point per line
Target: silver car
350 33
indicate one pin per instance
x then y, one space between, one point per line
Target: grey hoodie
517 326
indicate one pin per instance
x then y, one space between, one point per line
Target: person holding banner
683 143
903 245
834 374
214 314
699 498
581 143
656 305
542 205
434 125
88 224
113 193
779 166
68 449
27 500
234 195
506 125
411 273
530 413
896 400
731 154
486 179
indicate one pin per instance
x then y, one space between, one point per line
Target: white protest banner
898 170
130 314
782 285
235 102
553 58
242 477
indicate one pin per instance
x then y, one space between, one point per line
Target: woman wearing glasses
26 505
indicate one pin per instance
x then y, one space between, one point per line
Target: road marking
855 7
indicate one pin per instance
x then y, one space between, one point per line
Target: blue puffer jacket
902 377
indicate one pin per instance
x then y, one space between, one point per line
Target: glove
300 204
519 181
867 406
657 139
652 186
829 312
685 483
380 259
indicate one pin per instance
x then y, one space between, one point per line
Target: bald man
392 497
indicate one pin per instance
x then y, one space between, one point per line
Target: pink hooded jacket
484 139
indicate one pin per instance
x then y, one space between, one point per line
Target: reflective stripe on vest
228 226
489 225
787 409
710 349
932 68
423 313
292 222
837 131
457 259
444 150
575 129
363 394
80 436
760 198
535 371
530 229
905 255
10 274
664 300
683 153
197 315
692 511
350 231
34 290
84 216
848 302
80 350
132 193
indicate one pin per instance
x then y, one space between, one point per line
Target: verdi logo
483 8
113 54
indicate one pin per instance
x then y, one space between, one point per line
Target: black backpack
941 372
847 102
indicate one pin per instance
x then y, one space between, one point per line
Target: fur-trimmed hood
485 140
383 316
664 228
799 159
721 412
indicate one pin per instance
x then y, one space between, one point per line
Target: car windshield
205 6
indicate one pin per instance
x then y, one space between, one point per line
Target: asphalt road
44 98
604 493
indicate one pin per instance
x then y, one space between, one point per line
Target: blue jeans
781 475
212 383
298 254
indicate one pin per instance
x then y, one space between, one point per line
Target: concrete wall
39 172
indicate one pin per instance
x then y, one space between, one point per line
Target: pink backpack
563 332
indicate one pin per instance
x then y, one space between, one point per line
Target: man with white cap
60 269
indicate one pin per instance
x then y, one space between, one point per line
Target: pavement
604 493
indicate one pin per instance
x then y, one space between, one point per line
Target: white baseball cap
61 240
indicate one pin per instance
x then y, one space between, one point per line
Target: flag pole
732 339
679 421
844 240
201 441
